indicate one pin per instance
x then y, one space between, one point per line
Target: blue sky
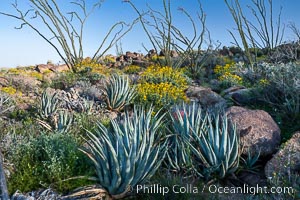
24 47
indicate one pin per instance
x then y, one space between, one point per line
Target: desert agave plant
216 147
5 103
185 120
48 105
64 122
128 153
118 92
250 161
87 106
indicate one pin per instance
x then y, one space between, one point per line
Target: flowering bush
87 62
161 86
157 74
35 74
160 94
11 91
227 74
132 69
92 69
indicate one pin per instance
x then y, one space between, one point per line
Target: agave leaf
127 152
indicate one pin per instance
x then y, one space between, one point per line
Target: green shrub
132 69
64 80
47 160
278 92
227 75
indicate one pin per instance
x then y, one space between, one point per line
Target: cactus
128 153
118 92
48 105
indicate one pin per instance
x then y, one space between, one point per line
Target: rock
142 63
238 94
151 53
174 54
224 51
117 64
162 53
232 89
24 106
130 55
252 178
47 194
215 85
235 50
43 68
3 82
206 97
286 161
60 68
26 83
19 196
111 115
120 58
258 131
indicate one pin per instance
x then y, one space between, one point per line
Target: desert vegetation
176 123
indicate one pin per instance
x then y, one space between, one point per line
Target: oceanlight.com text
213 189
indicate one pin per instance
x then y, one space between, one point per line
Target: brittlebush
227 74
161 86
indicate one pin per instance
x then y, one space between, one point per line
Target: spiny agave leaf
130 154
215 146
118 92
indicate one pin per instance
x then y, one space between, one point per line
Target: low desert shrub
278 91
161 87
132 69
227 75
47 160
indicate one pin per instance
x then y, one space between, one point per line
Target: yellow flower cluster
219 69
10 90
35 74
161 86
160 94
157 74
226 74
132 69
14 71
109 59
157 57
87 62
231 78
27 71
95 67
264 82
